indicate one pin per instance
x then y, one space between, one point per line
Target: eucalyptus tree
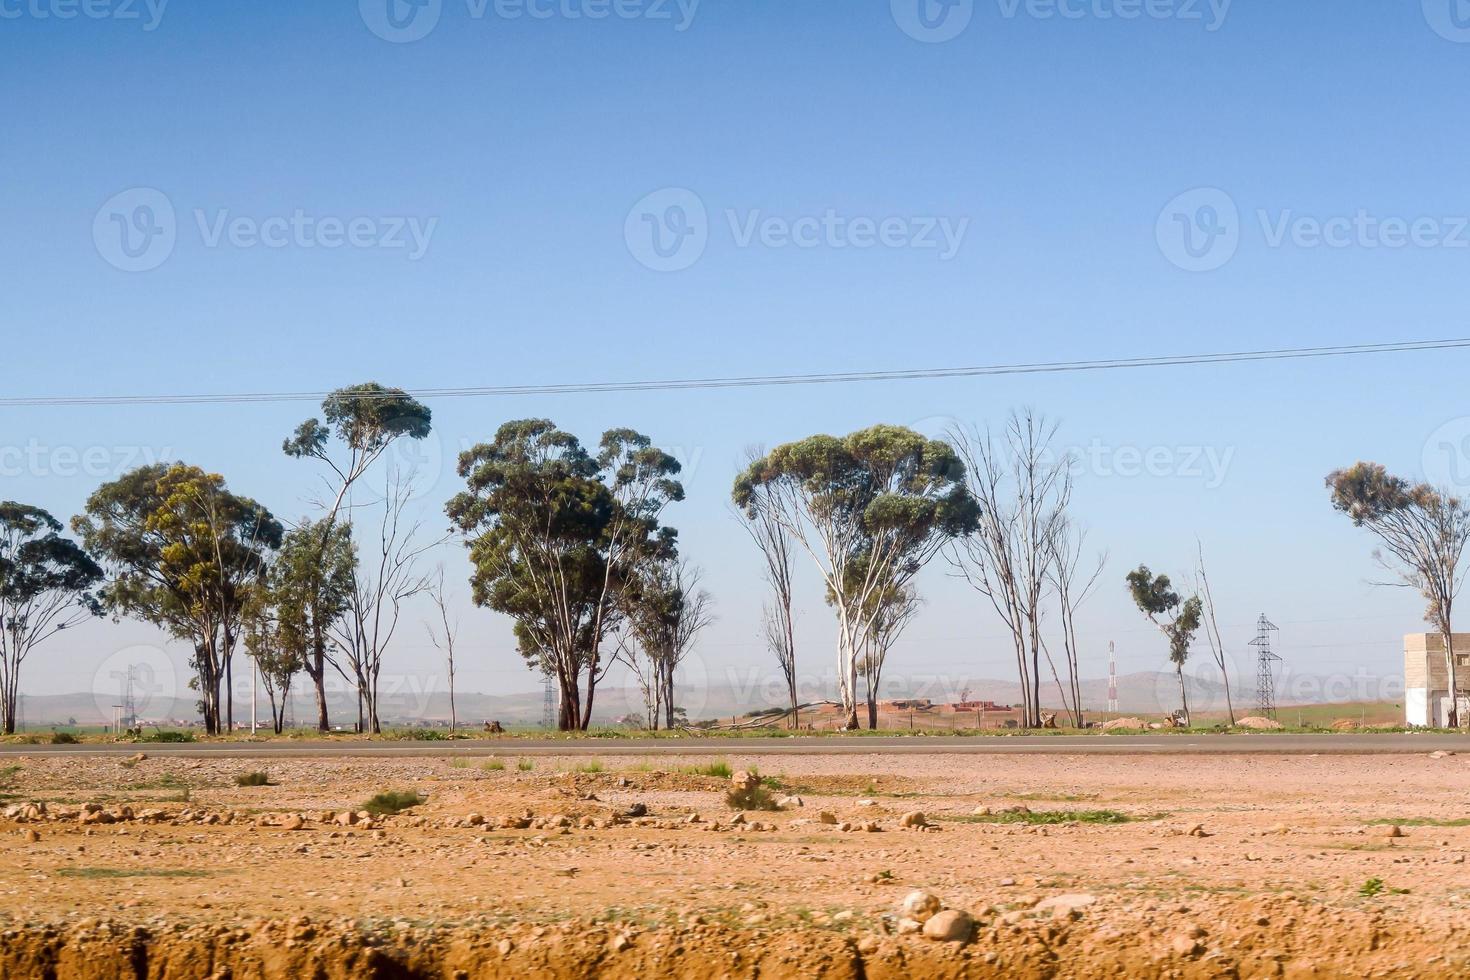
885 497
1424 532
1177 619
183 553
359 424
47 585
555 533
311 588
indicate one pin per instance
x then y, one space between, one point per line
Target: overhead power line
764 381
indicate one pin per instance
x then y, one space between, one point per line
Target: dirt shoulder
633 865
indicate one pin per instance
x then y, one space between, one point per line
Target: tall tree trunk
1449 653
1183 692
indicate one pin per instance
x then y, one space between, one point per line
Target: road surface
1259 744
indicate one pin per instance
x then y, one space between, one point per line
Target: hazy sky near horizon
202 197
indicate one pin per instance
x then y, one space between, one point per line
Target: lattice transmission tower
1265 678
548 702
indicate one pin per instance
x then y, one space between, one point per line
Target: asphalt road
1262 744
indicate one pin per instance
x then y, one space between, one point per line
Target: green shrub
63 738
169 737
389 803
252 779
494 765
719 770
525 765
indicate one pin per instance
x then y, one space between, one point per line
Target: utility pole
1112 682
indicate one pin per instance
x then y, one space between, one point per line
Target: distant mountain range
1145 692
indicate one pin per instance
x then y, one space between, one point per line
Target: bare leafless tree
1073 585
443 637
1023 490
664 613
1212 632
386 578
778 627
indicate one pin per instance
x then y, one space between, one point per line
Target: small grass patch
589 768
1047 817
391 802
524 765
494 765
719 770
168 736
252 779
131 873
1421 822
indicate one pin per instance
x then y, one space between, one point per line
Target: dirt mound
1259 724
1129 724
1081 939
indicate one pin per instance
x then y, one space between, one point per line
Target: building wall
1426 678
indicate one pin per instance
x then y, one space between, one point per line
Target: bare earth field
1138 866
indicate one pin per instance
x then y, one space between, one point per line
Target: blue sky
1057 149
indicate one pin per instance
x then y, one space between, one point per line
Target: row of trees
572 545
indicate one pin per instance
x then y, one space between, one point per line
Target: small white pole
253 685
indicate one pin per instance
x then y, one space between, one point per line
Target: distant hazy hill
1144 693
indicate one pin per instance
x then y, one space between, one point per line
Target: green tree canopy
46 586
555 532
184 553
871 508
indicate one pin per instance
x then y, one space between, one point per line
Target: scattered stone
914 818
1187 946
920 906
827 817
294 822
950 926
1065 906
790 801
907 927
1440 755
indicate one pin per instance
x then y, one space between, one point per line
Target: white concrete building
1426 679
